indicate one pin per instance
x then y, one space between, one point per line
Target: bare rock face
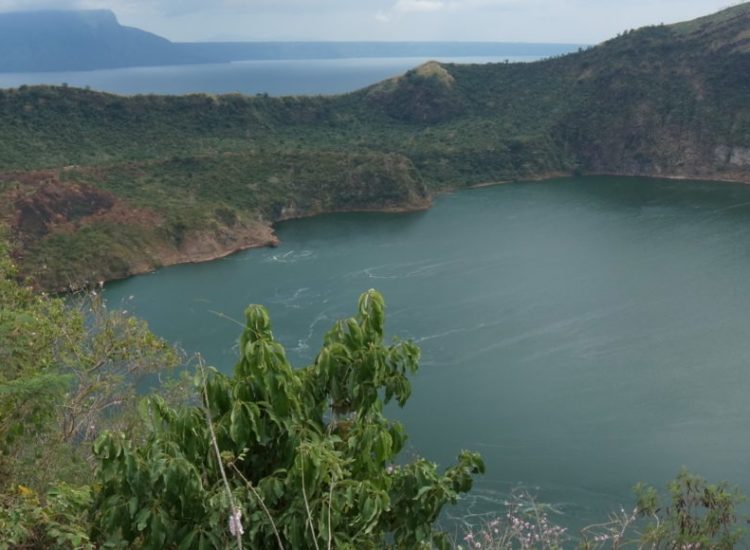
729 157
55 204
740 156
40 207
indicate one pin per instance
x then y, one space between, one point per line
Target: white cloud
21 5
456 5
382 17
167 6
407 6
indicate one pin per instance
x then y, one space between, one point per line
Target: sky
572 21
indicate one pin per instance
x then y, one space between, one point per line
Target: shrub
278 457
697 514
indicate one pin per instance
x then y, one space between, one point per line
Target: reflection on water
582 334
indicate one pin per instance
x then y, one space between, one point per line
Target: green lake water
582 334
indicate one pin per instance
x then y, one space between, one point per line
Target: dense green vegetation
69 372
309 458
304 455
659 101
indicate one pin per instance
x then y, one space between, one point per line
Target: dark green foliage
32 342
424 95
695 515
308 453
263 183
69 371
683 76
59 520
67 261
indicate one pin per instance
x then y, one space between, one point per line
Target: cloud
23 5
168 7
427 6
406 6
382 17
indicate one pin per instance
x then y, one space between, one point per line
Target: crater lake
583 334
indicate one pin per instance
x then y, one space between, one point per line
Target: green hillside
100 186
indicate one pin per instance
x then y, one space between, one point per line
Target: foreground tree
32 345
68 371
696 514
278 457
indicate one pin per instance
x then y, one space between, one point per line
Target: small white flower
235 523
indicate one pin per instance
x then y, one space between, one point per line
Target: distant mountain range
41 41
78 40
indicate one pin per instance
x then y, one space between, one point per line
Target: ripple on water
582 334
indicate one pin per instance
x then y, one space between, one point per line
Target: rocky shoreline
201 248
209 245
204 247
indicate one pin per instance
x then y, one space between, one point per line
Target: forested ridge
75 164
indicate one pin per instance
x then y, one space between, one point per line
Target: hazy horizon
553 21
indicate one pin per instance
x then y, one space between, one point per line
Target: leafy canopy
68 371
697 514
308 454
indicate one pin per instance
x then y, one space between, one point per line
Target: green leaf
187 542
142 519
